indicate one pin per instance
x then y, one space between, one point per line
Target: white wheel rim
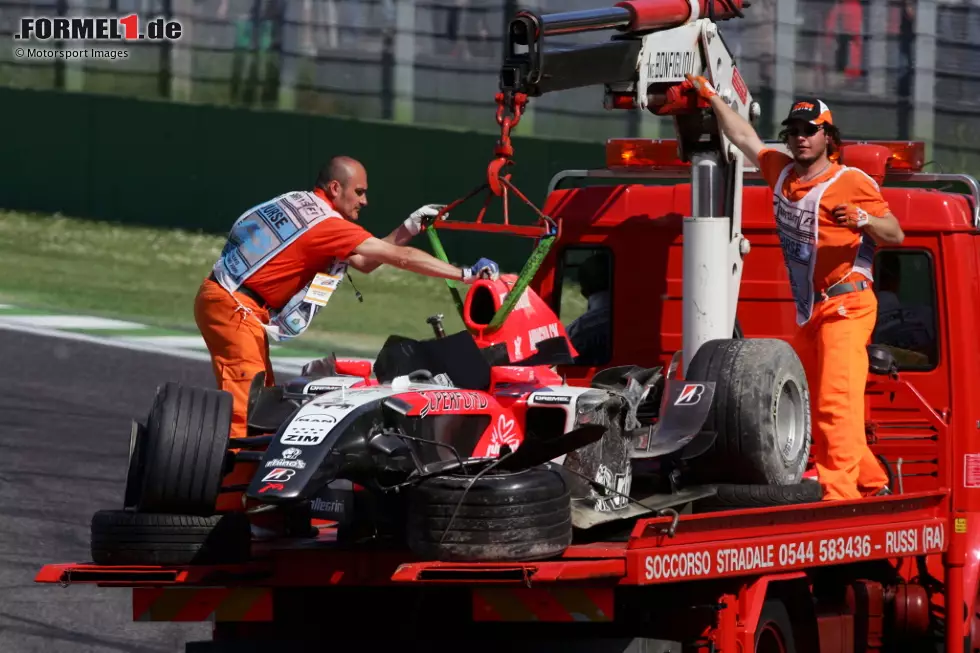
790 429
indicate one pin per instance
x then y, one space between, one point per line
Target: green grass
56 263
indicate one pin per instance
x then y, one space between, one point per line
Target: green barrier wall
199 167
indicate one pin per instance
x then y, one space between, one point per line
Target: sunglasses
807 130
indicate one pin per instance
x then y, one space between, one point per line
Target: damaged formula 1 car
447 446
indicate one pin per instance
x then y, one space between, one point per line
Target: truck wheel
775 631
183 450
121 537
525 515
761 412
730 497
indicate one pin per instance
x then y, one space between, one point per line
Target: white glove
414 222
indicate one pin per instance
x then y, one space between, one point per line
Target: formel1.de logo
97 28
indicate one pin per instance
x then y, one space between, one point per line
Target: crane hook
504 150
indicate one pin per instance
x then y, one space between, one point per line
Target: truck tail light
642 153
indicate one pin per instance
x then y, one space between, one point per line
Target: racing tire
732 497
524 515
183 450
121 537
131 498
760 412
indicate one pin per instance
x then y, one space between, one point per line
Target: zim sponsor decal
300 438
545 398
452 401
308 430
690 394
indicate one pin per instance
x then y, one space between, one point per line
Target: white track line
69 322
290 366
168 342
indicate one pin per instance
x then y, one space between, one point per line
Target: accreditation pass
324 283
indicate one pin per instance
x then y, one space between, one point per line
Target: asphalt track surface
65 411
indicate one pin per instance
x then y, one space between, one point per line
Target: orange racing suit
265 275
829 266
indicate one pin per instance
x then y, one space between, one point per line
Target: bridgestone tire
524 515
731 497
134 483
131 538
761 412
183 450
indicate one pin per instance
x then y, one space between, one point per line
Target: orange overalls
835 329
237 342
232 324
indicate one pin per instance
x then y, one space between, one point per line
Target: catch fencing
890 69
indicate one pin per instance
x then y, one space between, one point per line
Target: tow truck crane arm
644 67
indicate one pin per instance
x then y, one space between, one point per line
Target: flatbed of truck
664 549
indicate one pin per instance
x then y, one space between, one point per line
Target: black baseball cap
813 111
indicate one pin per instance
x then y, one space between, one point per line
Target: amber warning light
907 156
903 156
642 153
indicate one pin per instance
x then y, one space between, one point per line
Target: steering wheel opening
544 234
481 306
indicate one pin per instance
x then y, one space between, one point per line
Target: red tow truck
888 573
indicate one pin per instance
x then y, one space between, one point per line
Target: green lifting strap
530 269
440 253
523 280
